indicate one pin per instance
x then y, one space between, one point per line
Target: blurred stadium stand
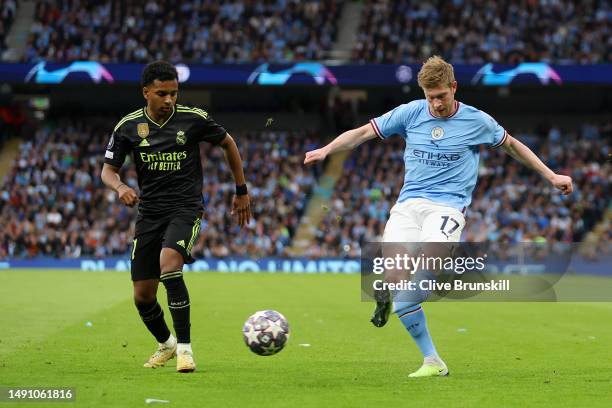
182 31
474 32
283 31
53 193
510 203
52 201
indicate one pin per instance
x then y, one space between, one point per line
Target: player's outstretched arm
346 141
241 204
523 154
110 177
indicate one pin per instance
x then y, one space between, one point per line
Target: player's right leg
401 227
145 272
152 316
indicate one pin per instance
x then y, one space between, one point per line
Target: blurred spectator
8 9
475 31
212 31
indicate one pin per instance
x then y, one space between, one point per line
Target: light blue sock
413 319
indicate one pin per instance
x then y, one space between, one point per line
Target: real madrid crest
180 137
437 133
143 130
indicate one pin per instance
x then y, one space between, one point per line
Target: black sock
153 317
178 303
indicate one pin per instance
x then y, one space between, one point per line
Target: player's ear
145 92
454 87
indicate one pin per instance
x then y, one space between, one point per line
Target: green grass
507 354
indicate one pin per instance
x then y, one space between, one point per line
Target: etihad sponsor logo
435 159
448 157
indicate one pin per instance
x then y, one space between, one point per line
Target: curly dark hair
162 70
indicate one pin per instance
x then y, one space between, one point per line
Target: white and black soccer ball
266 332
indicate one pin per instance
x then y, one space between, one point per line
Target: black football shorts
178 230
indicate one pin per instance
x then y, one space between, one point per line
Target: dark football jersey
167 156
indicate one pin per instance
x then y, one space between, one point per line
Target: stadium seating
510 202
284 31
280 186
53 202
185 31
473 32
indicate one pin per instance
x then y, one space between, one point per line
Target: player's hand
242 207
315 155
127 195
563 183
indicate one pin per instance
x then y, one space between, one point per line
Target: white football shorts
422 220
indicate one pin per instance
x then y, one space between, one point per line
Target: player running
163 138
441 167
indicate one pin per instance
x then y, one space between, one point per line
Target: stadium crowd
284 31
279 188
477 31
211 31
510 202
53 203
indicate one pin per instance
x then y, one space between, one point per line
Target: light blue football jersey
442 154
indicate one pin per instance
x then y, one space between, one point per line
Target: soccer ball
266 332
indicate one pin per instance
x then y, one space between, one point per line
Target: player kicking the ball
164 140
441 167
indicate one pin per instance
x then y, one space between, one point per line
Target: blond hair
435 72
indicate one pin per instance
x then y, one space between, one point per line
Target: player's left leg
181 234
441 224
171 263
400 229
152 315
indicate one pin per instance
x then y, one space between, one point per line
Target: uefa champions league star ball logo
180 137
437 133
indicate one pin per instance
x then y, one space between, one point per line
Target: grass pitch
499 354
